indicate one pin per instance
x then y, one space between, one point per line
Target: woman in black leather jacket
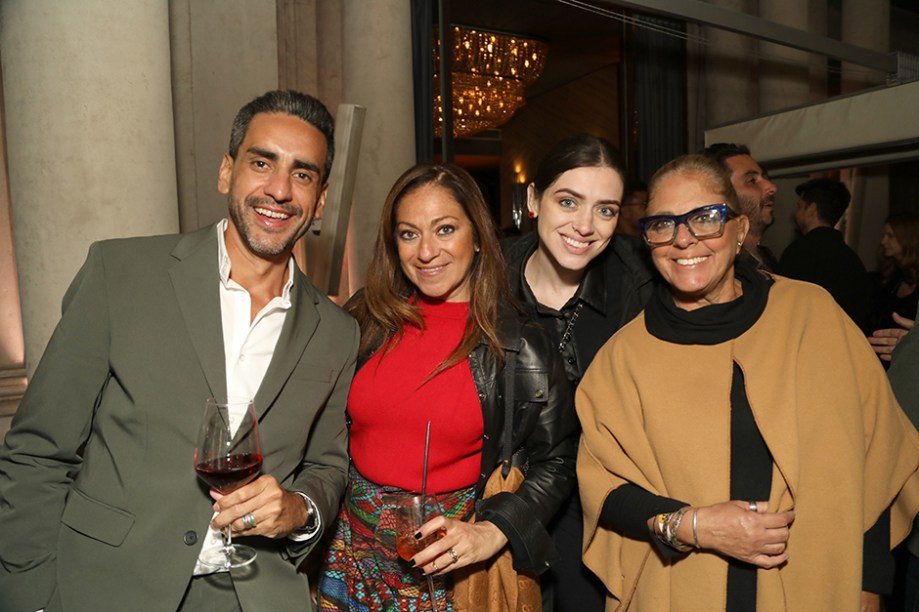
437 334
582 284
544 438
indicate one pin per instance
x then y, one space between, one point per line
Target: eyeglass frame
727 213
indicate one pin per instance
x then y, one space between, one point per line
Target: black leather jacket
544 441
545 438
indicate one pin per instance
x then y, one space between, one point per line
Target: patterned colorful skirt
362 571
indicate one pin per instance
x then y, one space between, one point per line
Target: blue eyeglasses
703 222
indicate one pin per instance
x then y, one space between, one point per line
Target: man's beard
754 211
262 248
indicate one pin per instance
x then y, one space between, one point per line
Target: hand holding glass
412 511
228 456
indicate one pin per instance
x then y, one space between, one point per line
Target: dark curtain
659 96
422 71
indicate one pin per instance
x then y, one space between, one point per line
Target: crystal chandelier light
490 72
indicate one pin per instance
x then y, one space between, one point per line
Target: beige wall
88 118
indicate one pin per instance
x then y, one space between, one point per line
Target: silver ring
434 565
453 554
752 507
249 521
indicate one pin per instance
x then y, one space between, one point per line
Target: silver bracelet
695 534
673 539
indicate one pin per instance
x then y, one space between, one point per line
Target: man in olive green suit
100 507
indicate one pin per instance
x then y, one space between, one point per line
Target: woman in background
741 449
898 290
437 333
582 284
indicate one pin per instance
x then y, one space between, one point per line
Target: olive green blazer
100 507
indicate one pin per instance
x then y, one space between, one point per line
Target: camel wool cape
657 414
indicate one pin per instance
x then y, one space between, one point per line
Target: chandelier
490 72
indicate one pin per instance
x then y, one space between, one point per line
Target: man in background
755 192
821 256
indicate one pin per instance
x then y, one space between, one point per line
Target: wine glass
411 512
228 456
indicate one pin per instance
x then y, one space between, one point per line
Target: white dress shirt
248 348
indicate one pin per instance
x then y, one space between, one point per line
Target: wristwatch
311 526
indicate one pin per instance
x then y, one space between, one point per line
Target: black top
888 302
822 257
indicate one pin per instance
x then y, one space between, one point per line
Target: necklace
567 335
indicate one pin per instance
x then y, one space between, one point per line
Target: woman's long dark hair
387 306
577 151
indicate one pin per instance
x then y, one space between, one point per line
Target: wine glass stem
227 545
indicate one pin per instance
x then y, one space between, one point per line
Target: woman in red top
437 332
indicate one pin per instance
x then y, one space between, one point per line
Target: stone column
377 69
90 138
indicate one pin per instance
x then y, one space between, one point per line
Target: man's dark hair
831 197
289 102
720 151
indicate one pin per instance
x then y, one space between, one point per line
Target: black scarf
710 324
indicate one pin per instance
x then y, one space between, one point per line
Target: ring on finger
453 554
434 565
752 507
249 521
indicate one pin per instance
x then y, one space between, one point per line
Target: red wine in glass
227 474
228 456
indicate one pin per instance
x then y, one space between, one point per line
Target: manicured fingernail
418 535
